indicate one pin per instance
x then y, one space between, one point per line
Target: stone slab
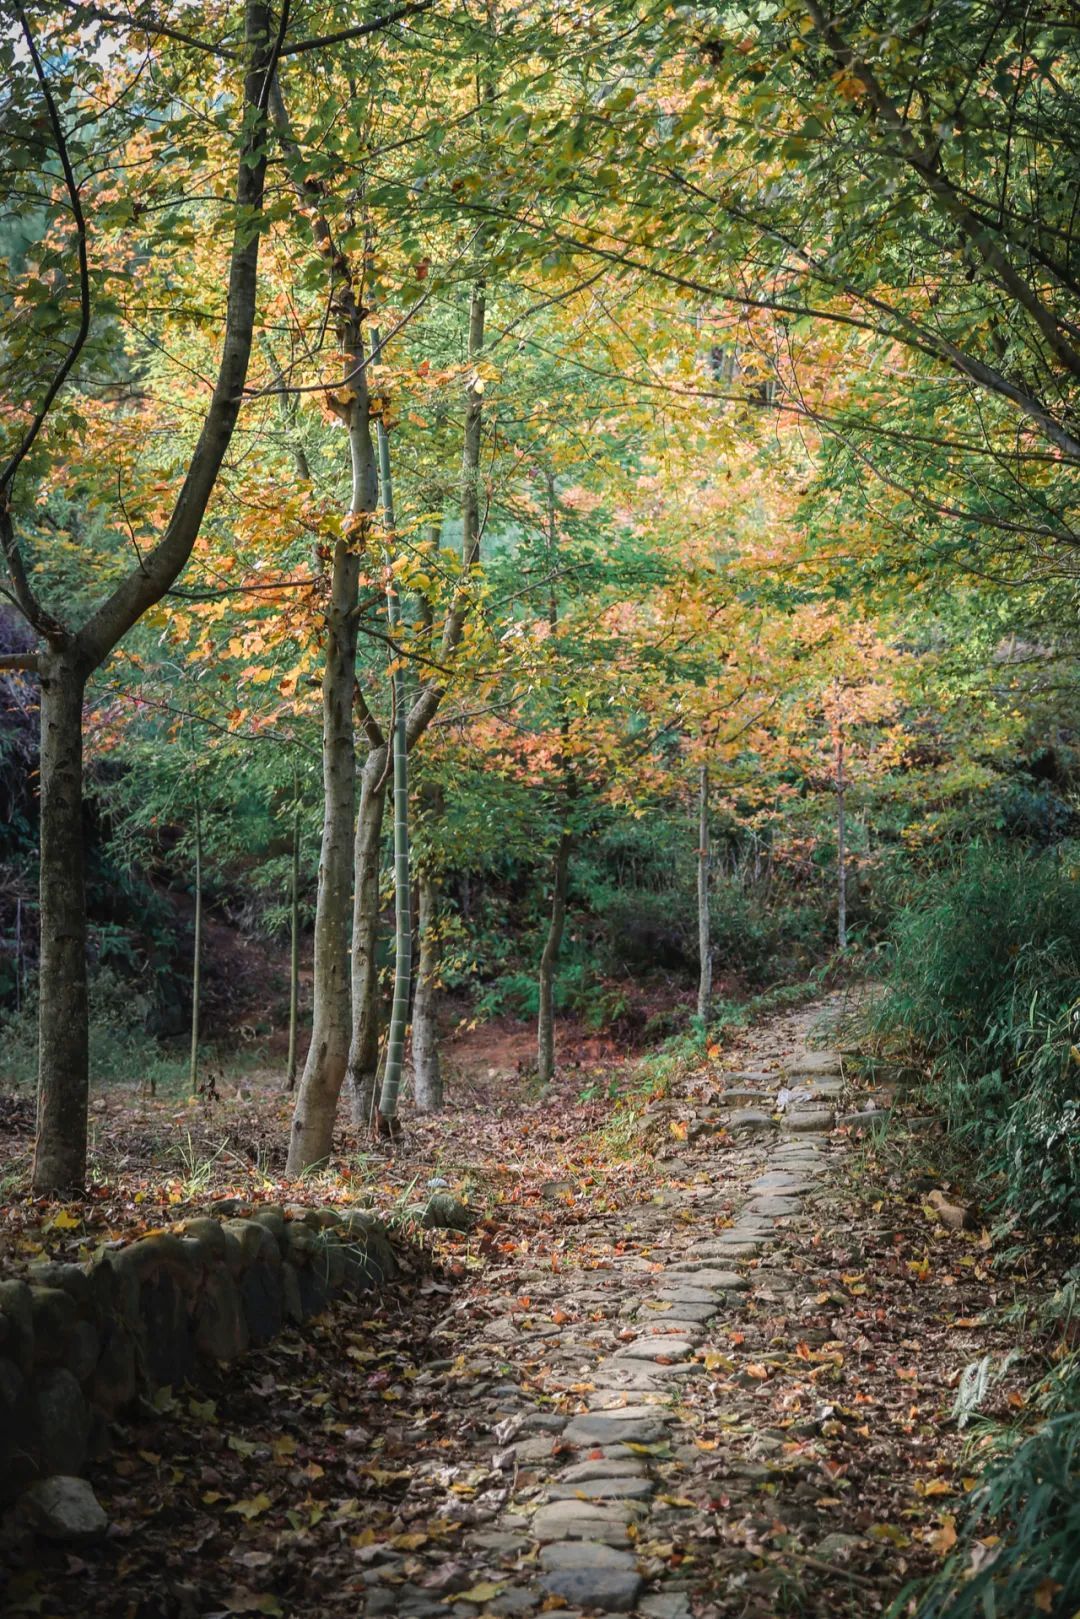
622 1487
656 1348
775 1206
698 1276
587 1575
584 1520
815 1062
809 1121
644 1427
750 1120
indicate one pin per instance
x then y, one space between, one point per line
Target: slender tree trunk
841 845
63 1043
427 1069
364 1048
704 997
399 1012
294 942
196 962
549 959
549 962
324 1070
399 750
331 1024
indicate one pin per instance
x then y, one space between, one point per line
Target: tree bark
549 959
427 1068
399 752
841 843
549 962
63 1081
364 1048
196 962
331 1025
63 1037
294 943
316 1102
704 999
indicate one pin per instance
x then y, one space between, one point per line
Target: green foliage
1029 1495
121 1049
983 980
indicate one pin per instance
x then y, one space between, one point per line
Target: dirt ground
788 1445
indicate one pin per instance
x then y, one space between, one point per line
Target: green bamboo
294 939
399 1012
196 965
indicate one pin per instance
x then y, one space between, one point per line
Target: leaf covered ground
397 1455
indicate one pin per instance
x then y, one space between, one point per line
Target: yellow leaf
1044 1594
890 1533
63 1220
253 1508
945 1539
409 1543
480 1593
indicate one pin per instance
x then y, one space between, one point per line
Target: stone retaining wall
79 1344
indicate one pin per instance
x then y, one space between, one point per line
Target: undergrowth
983 992
1017 1538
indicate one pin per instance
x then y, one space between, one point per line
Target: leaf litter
385 1458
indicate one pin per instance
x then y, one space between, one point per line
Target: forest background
635 447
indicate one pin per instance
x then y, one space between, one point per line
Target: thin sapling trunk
196 960
704 1000
399 1012
294 941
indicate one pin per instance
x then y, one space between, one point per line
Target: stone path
594 1384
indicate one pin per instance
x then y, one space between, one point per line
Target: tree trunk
324 1070
63 1049
841 845
294 943
196 962
549 962
704 997
399 1012
427 1069
59 1157
399 753
364 1049
331 1023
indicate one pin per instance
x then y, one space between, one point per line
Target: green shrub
984 980
1029 1497
120 1047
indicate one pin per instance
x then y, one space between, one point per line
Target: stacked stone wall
81 1344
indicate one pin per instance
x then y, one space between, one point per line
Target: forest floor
697 1356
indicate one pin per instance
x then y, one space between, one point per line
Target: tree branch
147 584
